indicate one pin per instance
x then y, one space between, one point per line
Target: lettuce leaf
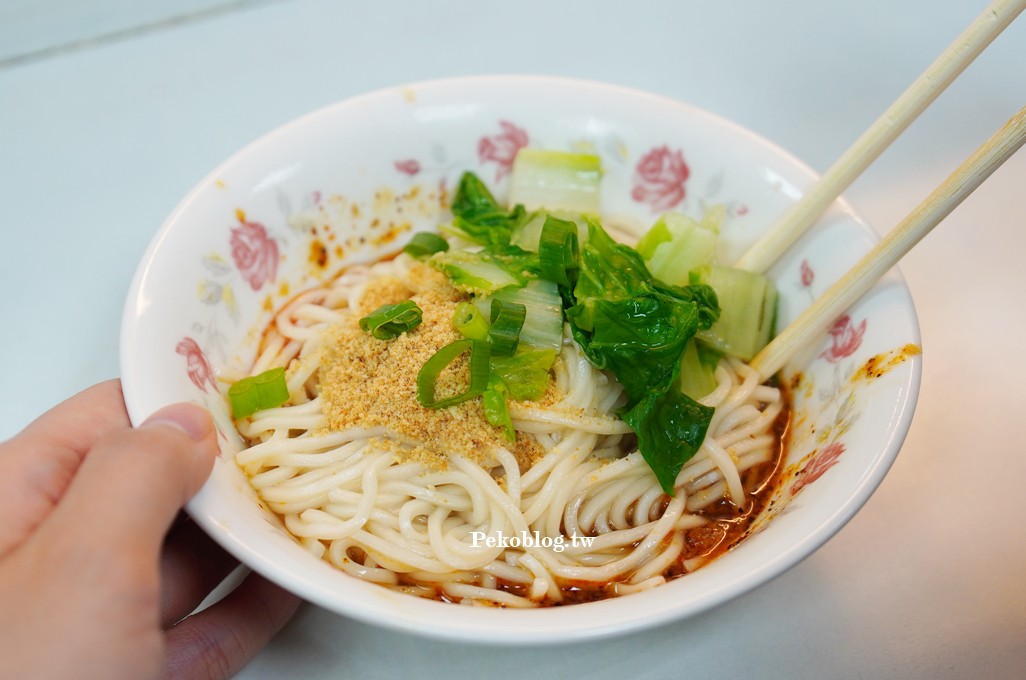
637 327
609 269
640 339
479 217
525 374
671 427
496 410
478 272
626 321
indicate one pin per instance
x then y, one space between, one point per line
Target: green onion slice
390 321
558 250
258 392
507 322
433 367
426 244
496 409
470 322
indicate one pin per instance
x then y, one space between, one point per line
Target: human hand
92 582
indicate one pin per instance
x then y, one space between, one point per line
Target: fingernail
192 420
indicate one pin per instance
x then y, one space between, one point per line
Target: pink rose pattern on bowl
502 148
845 338
197 365
659 178
824 459
254 253
410 166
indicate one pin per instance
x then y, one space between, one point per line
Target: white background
111 110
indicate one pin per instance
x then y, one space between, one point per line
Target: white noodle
419 530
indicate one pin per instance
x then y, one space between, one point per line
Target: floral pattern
410 166
845 338
255 253
659 179
823 460
216 287
502 148
845 335
808 276
827 400
197 365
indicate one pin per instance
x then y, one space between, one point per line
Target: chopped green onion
258 392
543 325
496 409
507 322
527 233
425 244
433 367
390 321
470 322
558 250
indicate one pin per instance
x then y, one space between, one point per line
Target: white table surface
111 110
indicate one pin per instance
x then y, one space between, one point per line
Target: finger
191 566
133 482
40 462
79 421
219 641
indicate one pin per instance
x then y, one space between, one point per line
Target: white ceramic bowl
228 254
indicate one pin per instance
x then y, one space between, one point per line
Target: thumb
133 482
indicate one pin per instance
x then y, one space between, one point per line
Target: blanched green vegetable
698 370
676 244
526 373
483 271
543 322
478 217
496 410
556 180
638 328
749 302
668 424
636 325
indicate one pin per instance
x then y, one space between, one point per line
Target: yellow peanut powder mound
366 382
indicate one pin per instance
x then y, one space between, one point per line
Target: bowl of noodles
479 363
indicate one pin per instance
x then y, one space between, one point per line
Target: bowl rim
516 627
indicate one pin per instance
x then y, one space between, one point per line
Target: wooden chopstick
817 318
879 136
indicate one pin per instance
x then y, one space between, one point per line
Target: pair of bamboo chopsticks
817 318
